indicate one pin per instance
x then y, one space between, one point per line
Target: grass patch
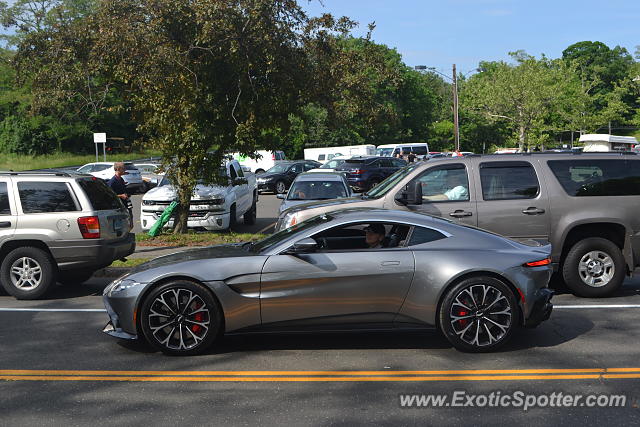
130 263
196 239
17 162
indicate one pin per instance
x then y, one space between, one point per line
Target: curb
112 272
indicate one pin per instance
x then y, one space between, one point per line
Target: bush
24 136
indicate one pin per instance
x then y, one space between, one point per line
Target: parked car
364 173
584 204
213 207
332 164
151 173
104 171
57 226
311 186
420 149
475 286
265 160
278 179
323 154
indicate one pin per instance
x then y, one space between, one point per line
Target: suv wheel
281 187
594 267
27 273
180 318
479 314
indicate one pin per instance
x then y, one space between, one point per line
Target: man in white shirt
457 188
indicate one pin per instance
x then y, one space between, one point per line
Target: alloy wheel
26 273
280 187
179 319
596 268
480 315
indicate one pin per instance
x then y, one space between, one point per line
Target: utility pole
456 126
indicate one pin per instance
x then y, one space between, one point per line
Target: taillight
273 156
539 263
89 227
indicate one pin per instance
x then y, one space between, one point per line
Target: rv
603 142
324 154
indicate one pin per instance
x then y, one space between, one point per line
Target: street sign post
100 138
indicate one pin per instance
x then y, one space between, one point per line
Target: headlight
121 285
287 221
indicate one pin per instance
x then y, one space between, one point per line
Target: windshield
281 236
384 152
332 164
385 186
317 190
278 169
166 181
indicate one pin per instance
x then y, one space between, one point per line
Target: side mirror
281 196
154 181
303 246
411 195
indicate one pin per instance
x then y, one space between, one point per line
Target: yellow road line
314 373
315 379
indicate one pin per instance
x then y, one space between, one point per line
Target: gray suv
585 204
57 227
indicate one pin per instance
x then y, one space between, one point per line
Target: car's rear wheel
478 314
281 187
180 318
594 267
27 272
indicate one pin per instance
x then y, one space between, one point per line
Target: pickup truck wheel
281 187
250 216
594 267
74 277
233 219
27 272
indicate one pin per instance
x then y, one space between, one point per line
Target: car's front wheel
281 187
478 314
28 272
180 318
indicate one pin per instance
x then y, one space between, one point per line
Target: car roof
320 176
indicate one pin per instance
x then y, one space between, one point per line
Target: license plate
118 225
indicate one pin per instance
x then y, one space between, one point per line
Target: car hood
327 203
270 175
168 192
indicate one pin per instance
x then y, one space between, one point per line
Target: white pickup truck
213 207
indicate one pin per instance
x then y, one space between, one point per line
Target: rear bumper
541 309
91 254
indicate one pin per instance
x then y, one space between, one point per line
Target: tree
203 78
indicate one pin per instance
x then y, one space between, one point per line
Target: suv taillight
89 227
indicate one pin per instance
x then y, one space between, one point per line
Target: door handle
5 224
533 211
460 213
389 263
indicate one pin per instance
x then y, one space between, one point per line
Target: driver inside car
374 235
457 189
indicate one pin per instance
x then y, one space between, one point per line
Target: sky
465 32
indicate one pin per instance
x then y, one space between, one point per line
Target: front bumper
266 186
541 308
209 220
114 327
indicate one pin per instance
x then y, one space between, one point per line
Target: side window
100 168
422 235
363 235
233 173
598 177
239 171
508 180
5 208
39 197
419 150
85 169
309 166
298 168
321 157
398 163
446 183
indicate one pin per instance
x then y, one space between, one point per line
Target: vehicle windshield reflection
280 236
385 186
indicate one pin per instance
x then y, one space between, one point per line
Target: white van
265 161
603 142
420 149
324 154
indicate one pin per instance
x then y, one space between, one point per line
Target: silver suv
585 204
57 226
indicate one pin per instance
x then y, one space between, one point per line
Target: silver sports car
359 268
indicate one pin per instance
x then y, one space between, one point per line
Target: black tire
280 187
251 215
233 219
74 277
606 271
459 323
38 282
199 329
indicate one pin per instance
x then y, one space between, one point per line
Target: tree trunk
182 212
521 138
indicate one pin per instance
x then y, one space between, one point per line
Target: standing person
119 187
411 157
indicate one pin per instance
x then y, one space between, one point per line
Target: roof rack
39 173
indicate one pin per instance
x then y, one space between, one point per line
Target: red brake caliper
463 322
198 317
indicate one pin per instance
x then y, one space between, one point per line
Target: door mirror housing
411 195
281 196
303 246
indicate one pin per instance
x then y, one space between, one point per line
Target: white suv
57 226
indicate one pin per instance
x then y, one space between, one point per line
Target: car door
293 172
512 201
240 188
435 187
335 286
8 216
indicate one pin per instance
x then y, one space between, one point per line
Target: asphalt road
267 216
57 368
